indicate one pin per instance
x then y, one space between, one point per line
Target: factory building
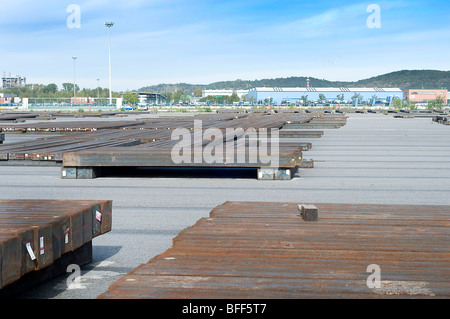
324 95
13 81
217 93
145 99
423 96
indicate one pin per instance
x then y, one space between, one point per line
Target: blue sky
203 41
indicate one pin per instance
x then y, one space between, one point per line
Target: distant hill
410 79
405 79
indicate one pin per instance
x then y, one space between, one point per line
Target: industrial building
145 99
303 95
13 81
423 96
239 93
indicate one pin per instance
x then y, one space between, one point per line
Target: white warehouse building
330 95
239 93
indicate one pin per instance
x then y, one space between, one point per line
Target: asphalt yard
374 159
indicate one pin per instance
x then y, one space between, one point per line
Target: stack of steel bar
88 163
83 114
219 116
62 127
36 233
16 117
246 121
442 119
160 155
266 250
150 142
52 148
328 122
230 151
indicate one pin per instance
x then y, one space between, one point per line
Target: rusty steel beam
148 142
442 119
35 233
262 250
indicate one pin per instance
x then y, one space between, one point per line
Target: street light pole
109 25
98 88
74 58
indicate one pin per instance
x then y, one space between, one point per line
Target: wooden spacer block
309 212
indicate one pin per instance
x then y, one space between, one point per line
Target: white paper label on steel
30 251
66 236
41 245
98 216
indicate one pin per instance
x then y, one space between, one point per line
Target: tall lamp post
109 25
74 58
98 89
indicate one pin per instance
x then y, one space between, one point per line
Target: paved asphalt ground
375 158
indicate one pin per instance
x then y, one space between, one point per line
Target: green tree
51 88
234 98
439 102
322 98
180 96
374 99
397 103
68 87
169 96
304 99
357 96
198 92
411 105
130 98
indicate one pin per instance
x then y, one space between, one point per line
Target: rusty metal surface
265 250
442 119
159 153
147 142
68 126
13 117
7 118
34 233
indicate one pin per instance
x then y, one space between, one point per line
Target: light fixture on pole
109 25
74 58
98 88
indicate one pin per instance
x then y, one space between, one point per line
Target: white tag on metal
98 215
66 236
30 251
41 245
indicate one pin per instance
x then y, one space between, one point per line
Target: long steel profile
256 250
35 233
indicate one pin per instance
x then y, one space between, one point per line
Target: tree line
53 91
